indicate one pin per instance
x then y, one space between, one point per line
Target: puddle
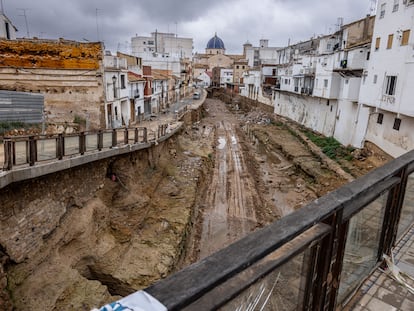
222 143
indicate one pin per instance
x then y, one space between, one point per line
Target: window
397 123
380 118
389 42
405 37
395 6
382 13
237 67
122 81
325 83
368 55
150 42
375 79
390 81
346 81
377 43
7 30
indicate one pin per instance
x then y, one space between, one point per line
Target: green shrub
330 146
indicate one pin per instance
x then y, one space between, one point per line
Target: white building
388 86
319 82
136 94
204 79
260 54
7 30
252 84
159 43
226 76
117 104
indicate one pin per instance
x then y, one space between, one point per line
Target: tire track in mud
229 209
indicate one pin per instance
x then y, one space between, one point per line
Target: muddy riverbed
218 180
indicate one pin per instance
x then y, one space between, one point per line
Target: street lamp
113 82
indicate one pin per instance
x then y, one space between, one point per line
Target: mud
221 178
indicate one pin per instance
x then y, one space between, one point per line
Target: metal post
114 138
32 151
136 135
100 140
126 136
145 135
59 147
82 143
8 158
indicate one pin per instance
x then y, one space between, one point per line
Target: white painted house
204 79
388 85
117 104
226 76
319 82
136 87
252 83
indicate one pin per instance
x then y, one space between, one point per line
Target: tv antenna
25 19
97 25
372 7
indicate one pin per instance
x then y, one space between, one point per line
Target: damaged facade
69 74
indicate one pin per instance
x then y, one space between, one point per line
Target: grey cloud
119 20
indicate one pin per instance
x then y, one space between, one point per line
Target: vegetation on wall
330 146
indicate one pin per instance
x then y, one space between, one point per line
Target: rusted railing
30 150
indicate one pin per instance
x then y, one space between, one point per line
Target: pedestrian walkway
382 291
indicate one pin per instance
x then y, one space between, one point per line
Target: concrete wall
384 136
316 113
351 123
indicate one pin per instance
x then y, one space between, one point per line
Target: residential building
117 103
259 54
160 89
387 86
204 79
167 52
68 73
319 81
239 67
226 76
136 87
252 83
168 45
7 30
216 76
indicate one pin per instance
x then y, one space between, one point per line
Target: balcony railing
313 259
31 150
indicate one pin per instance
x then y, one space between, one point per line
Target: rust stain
50 54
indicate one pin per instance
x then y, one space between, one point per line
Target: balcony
313 259
306 90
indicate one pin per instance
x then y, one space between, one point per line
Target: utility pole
25 19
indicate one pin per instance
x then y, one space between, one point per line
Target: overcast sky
235 21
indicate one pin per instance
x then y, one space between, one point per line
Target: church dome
215 43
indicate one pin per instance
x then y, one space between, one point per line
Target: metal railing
312 259
30 150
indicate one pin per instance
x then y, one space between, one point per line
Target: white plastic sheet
138 301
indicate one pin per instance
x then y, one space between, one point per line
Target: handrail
335 209
33 149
